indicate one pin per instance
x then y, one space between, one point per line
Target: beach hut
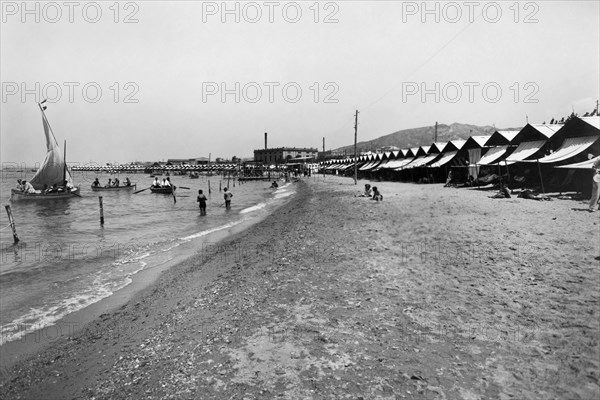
475 148
453 155
580 140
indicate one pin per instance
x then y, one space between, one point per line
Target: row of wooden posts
14 228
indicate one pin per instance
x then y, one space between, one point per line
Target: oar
76 194
139 191
184 187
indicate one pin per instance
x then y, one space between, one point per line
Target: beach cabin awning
393 164
492 155
525 150
422 161
570 148
382 165
368 165
587 164
403 163
446 158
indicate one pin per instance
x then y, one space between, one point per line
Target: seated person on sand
368 192
376 195
449 179
503 193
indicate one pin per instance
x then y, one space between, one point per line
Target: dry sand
435 293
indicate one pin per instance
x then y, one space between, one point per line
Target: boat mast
65 166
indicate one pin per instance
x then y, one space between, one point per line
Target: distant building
282 155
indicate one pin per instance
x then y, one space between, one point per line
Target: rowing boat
124 187
162 190
16 194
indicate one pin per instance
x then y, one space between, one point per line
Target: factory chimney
265 140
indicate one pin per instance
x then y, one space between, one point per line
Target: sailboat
52 173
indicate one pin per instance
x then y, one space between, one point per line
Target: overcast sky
161 75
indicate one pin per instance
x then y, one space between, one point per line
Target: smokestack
265 140
435 137
323 145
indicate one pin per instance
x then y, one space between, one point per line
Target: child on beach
227 196
376 195
201 200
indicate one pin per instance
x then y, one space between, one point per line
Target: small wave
284 194
39 318
209 231
253 208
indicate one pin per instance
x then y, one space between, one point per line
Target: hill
423 136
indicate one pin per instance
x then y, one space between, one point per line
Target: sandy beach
434 293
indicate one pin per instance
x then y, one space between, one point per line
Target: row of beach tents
556 155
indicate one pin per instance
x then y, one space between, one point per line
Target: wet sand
435 293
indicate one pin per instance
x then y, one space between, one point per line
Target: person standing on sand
201 202
595 186
227 196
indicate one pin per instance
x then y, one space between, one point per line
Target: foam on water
209 231
257 207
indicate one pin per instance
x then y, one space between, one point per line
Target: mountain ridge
422 136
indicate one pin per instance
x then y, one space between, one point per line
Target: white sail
53 168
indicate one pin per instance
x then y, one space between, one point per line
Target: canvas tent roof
524 151
500 138
587 164
534 132
492 155
368 165
475 142
405 152
454 145
570 148
437 147
403 163
446 158
422 161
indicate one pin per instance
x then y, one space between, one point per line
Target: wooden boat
16 194
162 190
53 171
122 187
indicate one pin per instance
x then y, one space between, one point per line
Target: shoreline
73 324
433 293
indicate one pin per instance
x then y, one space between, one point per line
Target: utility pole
355 155
435 137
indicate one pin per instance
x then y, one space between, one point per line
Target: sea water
66 260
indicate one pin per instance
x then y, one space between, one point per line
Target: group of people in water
201 200
112 182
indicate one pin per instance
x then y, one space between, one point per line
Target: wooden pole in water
209 186
12 224
101 210
219 185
